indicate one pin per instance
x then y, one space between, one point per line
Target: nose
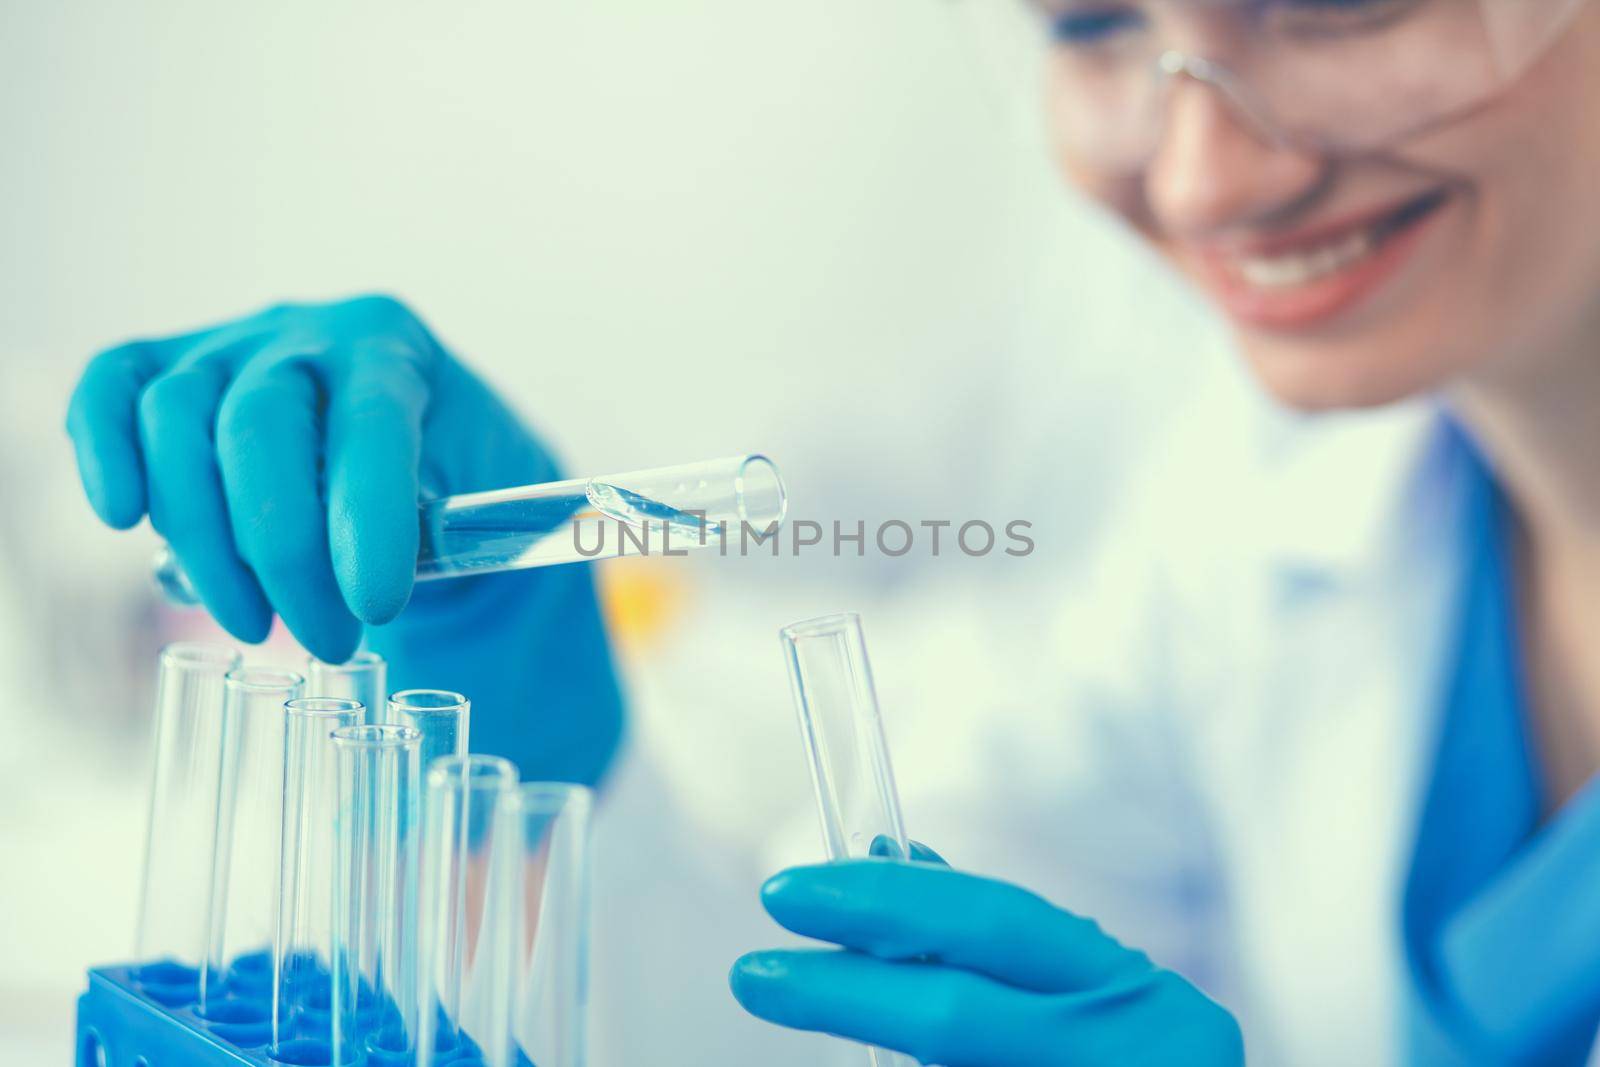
1214 169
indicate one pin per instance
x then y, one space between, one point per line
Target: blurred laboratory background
667 231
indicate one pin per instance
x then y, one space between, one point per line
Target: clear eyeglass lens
1342 75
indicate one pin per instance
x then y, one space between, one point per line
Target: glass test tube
244 883
375 981
302 1026
442 717
466 966
174 889
650 512
545 831
674 509
857 802
362 677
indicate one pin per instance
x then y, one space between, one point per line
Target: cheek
1120 193
1519 285
1541 211
1103 189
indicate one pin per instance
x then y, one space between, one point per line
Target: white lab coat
1219 749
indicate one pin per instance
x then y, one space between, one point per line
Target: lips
1299 279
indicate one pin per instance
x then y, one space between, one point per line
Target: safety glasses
1339 77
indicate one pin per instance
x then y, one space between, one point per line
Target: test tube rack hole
126 1021
123 1022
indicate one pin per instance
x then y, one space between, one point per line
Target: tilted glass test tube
375 982
362 677
840 725
442 717
244 883
170 938
465 972
545 830
665 511
302 1023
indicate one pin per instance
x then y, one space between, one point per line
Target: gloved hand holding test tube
939 964
283 454
665 511
857 802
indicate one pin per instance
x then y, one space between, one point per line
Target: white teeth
1302 268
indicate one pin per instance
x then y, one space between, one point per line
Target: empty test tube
857 802
442 717
174 891
667 509
545 831
466 972
244 883
375 981
363 677
303 1026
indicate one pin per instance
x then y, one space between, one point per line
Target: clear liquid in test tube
858 805
654 512
719 503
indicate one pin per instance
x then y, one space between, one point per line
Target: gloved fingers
955 1018
102 420
183 488
901 911
269 446
883 845
937 1014
373 454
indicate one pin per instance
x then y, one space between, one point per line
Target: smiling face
1470 251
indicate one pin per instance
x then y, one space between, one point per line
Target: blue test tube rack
125 1022
148 1017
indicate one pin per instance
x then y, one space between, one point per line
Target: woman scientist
1360 663
1352 679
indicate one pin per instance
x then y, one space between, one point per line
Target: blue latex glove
969 972
282 456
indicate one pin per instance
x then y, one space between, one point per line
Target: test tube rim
403 700
200 654
322 707
361 661
548 798
448 769
757 459
376 736
822 626
244 677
